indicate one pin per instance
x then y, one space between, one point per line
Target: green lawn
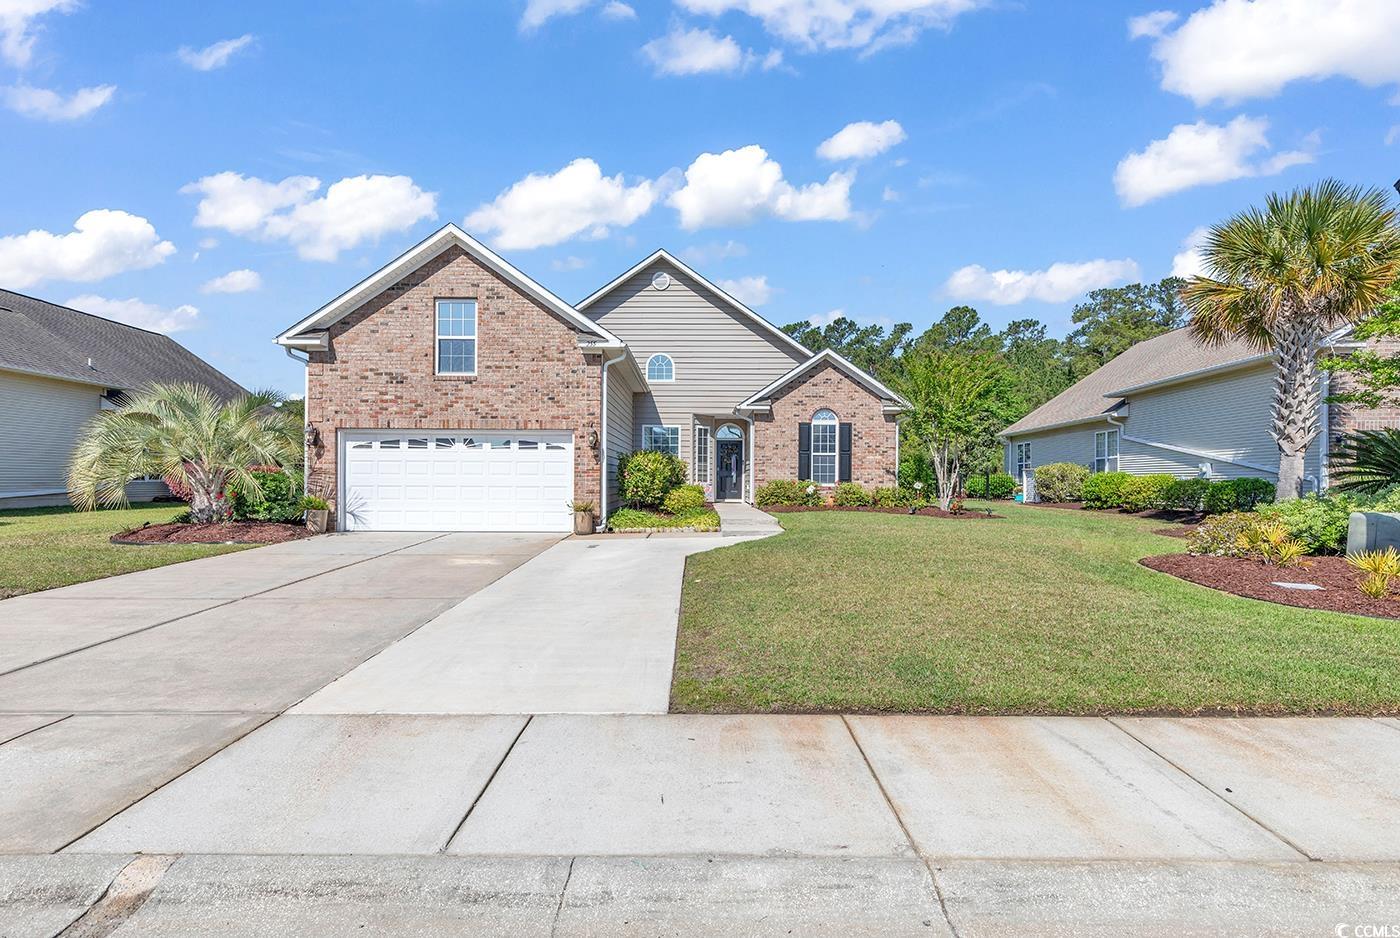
41 548
1044 612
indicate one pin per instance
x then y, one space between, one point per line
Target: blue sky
290 149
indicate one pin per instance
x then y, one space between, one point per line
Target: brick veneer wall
379 370
1343 418
872 432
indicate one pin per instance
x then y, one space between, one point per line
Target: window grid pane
660 368
456 356
662 439
702 454
456 319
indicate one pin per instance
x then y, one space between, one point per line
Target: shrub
914 466
996 485
1060 481
1186 494
684 500
315 503
281 497
1104 490
851 495
785 492
1146 493
1237 495
1225 535
1320 522
706 519
648 475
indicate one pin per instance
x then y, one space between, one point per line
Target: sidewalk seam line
889 802
36 729
1112 721
227 602
1394 726
563 892
489 779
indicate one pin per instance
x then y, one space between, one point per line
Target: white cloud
541 210
821 320
842 24
715 252
774 59
568 263
43 104
235 281
215 55
694 52
208 244
102 243
889 195
861 140
1392 135
751 291
1151 25
1189 262
354 210
738 187
1201 154
615 10
539 12
1233 50
17 32
137 313
1056 284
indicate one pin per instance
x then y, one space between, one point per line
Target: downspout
1324 452
305 417
603 440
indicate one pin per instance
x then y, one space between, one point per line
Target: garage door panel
457 480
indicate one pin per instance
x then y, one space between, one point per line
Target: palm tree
1282 279
182 432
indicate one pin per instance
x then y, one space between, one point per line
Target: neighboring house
450 391
58 368
1170 404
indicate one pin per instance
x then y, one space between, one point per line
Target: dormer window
661 368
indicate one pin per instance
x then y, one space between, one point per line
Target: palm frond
1367 461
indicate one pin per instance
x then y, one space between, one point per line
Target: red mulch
235 532
925 512
1255 579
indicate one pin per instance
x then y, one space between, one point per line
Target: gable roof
826 356
1165 359
42 338
663 255
447 236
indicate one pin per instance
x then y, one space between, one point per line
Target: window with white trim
661 368
824 437
701 465
662 439
1106 451
456 337
1023 460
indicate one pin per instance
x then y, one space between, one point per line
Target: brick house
450 391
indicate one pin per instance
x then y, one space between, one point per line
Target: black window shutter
845 454
804 451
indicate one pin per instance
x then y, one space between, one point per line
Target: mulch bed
925 512
1254 579
1173 516
1183 531
234 532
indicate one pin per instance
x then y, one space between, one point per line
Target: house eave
1008 433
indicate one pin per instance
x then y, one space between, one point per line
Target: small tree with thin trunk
1282 279
183 432
958 401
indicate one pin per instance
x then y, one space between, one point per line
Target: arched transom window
661 368
824 447
729 432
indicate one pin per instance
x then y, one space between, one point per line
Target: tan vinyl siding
720 356
40 420
1228 416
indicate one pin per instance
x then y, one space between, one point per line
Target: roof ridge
81 312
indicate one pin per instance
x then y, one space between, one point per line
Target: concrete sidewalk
737 519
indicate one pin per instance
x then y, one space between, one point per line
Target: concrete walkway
737 519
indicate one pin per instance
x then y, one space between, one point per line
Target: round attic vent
661 280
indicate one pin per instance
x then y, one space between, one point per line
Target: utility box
1372 530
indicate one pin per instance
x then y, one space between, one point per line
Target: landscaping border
1254 579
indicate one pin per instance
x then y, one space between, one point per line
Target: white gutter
603 438
1324 452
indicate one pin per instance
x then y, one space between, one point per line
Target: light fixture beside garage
593 440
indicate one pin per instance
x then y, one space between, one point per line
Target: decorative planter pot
318 522
583 522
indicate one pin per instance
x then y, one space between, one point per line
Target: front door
729 459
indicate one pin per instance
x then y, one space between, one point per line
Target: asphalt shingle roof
1160 358
47 339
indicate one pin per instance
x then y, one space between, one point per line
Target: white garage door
456 480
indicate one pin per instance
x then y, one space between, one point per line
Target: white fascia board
1235 365
1060 425
663 255
439 241
753 402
